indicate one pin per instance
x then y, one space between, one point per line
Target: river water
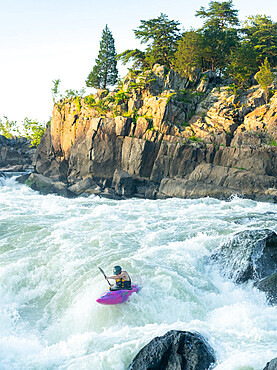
50 250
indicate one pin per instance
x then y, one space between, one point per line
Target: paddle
104 275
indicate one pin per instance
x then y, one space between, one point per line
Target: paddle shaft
104 276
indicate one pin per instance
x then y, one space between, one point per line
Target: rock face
251 255
166 135
176 350
15 154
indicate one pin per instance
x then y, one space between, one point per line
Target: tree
265 77
8 128
261 32
189 53
242 64
135 55
219 14
219 34
55 89
161 36
33 130
104 72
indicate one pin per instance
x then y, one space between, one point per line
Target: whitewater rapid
50 250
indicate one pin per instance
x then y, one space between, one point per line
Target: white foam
50 250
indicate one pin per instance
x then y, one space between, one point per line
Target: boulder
178 350
22 179
248 255
123 183
272 365
82 186
46 186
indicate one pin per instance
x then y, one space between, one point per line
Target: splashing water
50 250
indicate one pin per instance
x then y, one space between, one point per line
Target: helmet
117 270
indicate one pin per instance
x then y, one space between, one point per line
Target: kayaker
122 279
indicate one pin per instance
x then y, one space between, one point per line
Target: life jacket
123 284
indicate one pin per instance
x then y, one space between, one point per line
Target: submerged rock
178 350
248 255
272 365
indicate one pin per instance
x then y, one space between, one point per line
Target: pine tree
261 32
161 35
189 53
242 64
104 72
219 34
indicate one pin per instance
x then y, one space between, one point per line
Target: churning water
50 248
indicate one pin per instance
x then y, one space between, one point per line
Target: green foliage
234 89
33 130
161 36
194 138
242 64
77 102
8 128
104 72
219 15
189 53
136 56
121 97
74 93
265 77
209 47
89 100
55 89
272 142
219 36
261 32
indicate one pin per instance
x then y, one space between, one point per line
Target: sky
45 40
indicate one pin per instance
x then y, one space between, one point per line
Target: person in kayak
122 279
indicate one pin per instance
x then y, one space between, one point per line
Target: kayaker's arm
113 277
122 275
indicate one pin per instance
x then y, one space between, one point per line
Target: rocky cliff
161 135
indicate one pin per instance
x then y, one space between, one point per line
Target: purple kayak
116 296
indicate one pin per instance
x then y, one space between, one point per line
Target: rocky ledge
161 135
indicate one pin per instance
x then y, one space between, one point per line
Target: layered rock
144 130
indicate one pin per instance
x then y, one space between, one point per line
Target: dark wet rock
15 152
178 350
248 255
46 186
269 286
110 194
82 186
272 365
22 178
123 183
